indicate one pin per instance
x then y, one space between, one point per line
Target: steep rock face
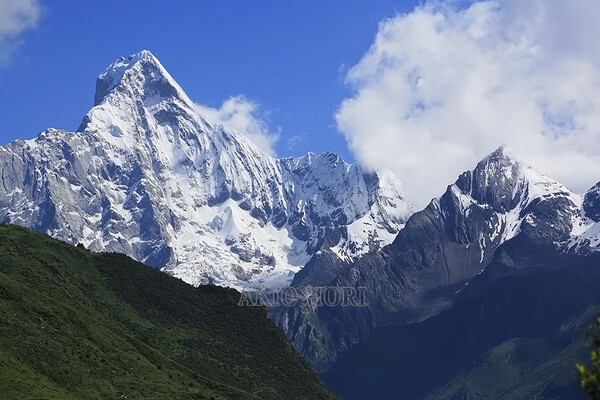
148 176
438 252
585 234
591 203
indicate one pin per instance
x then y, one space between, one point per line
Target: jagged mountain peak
502 181
516 198
500 164
139 105
136 72
495 179
504 152
115 71
504 196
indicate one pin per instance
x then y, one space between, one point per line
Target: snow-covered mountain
504 263
441 250
148 176
519 199
456 235
509 197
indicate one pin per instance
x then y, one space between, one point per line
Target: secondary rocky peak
495 181
501 159
591 203
502 182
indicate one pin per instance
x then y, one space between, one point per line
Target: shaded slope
520 369
537 314
79 325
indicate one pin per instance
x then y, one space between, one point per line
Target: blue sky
289 57
423 89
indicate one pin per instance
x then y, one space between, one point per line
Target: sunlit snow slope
148 176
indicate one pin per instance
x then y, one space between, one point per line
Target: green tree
590 376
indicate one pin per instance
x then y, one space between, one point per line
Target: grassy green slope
81 325
520 369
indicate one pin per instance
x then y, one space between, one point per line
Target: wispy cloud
244 116
294 141
441 87
15 17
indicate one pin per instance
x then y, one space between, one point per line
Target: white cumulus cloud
443 86
15 17
243 115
